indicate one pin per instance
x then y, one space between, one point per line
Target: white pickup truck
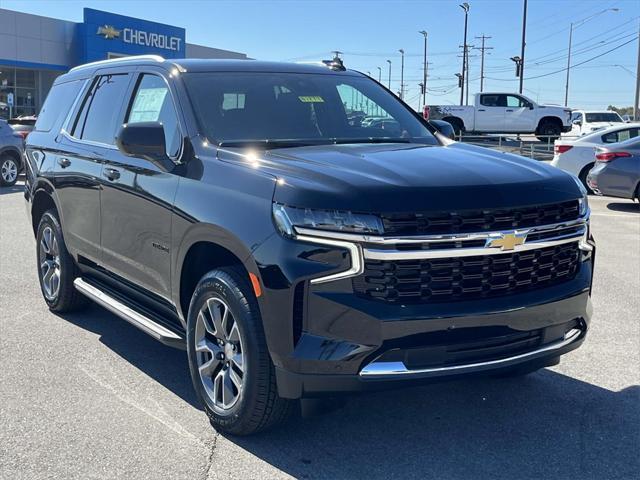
504 113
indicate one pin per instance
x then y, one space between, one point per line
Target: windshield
603 117
292 109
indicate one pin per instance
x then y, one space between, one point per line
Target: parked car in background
576 155
23 125
617 170
584 122
504 113
627 118
11 154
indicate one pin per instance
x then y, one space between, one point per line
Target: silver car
11 151
617 170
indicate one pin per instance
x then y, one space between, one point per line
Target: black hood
408 177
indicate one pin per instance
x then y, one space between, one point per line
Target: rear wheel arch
42 202
583 175
549 119
13 153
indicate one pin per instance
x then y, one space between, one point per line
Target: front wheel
8 171
230 366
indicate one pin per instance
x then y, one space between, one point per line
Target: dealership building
34 50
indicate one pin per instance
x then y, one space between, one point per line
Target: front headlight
286 218
583 203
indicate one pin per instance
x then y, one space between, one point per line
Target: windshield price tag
311 99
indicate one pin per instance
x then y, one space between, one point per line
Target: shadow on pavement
631 207
168 366
13 189
545 425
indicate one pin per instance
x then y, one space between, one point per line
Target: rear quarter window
57 104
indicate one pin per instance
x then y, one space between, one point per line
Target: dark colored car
229 208
617 170
11 150
23 125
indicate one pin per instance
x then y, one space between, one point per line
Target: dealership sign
140 37
106 35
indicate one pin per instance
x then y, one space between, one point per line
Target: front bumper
324 339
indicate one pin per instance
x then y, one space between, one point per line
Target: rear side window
490 101
620 136
97 119
57 104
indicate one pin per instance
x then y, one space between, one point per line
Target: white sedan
577 156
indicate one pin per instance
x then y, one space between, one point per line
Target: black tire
9 169
549 131
583 177
258 407
67 298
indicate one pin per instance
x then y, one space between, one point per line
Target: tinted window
576 116
620 135
99 114
603 117
57 104
490 100
306 108
152 103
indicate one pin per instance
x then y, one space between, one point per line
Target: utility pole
389 86
482 50
401 74
465 7
466 77
636 103
524 36
576 25
424 68
379 74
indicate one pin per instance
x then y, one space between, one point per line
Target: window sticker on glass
311 99
147 105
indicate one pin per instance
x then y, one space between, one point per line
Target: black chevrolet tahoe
259 216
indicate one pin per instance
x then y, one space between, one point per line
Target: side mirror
144 140
531 106
577 122
445 128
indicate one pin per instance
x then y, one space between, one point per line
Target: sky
370 32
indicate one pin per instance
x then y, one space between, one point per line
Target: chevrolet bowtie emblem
507 241
109 32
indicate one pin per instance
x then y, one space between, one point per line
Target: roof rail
155 58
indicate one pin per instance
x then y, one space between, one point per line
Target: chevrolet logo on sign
109 32
507 241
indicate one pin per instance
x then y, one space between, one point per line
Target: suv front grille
472 221
466 278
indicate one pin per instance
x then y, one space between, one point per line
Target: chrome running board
125 312
387 369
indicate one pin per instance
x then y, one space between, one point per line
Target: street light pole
379 74
576 25
524 33
465 7
424 69
389 86
636 103
401 74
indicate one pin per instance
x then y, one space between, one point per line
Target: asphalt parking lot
89 396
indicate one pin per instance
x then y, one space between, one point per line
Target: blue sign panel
104 35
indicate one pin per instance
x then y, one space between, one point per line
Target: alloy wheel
49 256
220 354
9 171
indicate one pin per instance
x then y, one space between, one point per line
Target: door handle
481 110
64 162
508 110
111 173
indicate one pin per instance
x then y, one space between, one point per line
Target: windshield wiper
339 141
268 143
